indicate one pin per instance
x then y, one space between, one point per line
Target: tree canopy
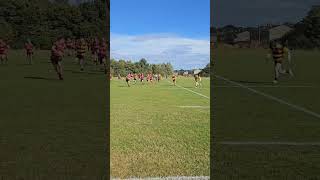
123 67
43 21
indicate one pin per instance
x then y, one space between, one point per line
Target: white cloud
181 52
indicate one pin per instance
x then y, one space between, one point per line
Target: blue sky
161 30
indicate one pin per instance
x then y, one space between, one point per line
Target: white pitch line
170 178
286 143
292 86
272 97
201 107
191 91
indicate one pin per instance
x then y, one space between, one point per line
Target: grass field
51 129
153 135
266 131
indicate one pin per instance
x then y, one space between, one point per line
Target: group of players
78 47
152 78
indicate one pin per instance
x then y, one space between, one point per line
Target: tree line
43 21
122 67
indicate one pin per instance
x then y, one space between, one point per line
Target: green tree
312 22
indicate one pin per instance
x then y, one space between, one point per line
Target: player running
141 78
174 79
102 55
81 51
128 78
149 77
57 52
278 53
28 46
4 48
95 50
197 80
135 76
70 46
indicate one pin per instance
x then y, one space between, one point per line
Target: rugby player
102 55
141 78
128 78
70 46
174 79
278 53
4 48
81 51
28 46
94 50
57 51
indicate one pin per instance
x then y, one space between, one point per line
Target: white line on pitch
191 91
270 86
286 143
201 107
272 97
171 178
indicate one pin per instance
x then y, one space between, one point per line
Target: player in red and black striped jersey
102 54
150 78
135 77
70 46
29 51
174 79
141 77
57 52
279 53
128 78
4 48
95 50
81 48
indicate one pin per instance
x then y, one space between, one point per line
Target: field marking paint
201 107
191 91
286 143
271 97
175 88
170 178
289 86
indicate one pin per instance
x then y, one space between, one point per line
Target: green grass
152 136
243 116
49 128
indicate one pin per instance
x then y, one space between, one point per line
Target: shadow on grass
41 78
90 72
123 86
24 65
253 82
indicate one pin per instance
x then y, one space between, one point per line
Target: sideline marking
270 86
190 90
171 178
287 143
271 97
202 107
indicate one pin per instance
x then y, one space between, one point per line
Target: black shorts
101 57
127 80
80 56
55 59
